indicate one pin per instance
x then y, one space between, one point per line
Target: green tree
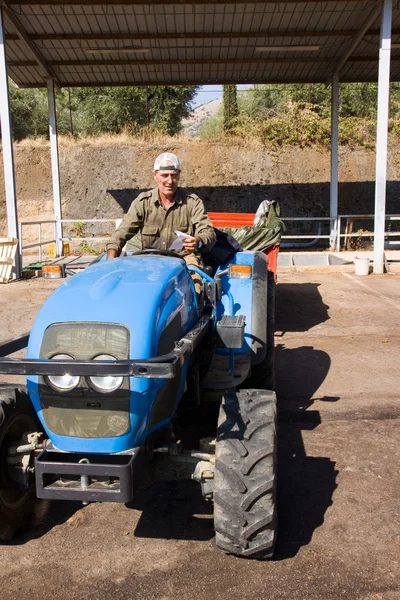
110 110
100 110
230 103
28 112
358 99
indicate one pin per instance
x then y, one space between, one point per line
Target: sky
211 92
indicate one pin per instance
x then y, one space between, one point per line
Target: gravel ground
338 342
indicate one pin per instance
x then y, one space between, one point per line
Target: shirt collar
156 197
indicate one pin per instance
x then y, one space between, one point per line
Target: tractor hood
144 293
130 308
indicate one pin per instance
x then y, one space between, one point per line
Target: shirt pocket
185 227
150 236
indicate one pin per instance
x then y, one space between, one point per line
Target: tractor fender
249 298
259 308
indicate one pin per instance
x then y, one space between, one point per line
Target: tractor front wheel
17 498
245 519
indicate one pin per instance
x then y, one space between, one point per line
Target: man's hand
111 253
190 244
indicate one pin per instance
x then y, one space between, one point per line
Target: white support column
8 153
334 158
382 135
55 171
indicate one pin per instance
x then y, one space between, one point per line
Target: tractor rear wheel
17 501
245 517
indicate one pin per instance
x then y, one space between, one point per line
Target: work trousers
194 261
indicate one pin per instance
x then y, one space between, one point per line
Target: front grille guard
159 367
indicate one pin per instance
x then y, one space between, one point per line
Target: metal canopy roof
95 42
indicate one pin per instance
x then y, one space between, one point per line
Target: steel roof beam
208 81
205 62
11 16
136 36
157 2
375 14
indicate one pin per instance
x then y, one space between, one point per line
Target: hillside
99 179
199 116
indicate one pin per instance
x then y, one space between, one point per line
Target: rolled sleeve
202 224
131 224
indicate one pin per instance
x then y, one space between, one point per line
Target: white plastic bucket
361 265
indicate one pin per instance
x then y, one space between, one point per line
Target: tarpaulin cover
260 237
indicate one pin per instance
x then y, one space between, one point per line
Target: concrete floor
338 343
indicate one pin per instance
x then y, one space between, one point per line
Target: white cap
167 161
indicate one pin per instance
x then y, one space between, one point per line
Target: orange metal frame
223 219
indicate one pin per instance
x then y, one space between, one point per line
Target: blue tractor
114 355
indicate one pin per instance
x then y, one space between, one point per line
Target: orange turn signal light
51 269
240 271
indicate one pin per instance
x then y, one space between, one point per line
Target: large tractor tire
263 373
245 518
17 502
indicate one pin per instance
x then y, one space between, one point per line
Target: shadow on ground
306 483
174 510
47 515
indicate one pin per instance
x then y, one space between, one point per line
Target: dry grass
39 142
156 140
121 139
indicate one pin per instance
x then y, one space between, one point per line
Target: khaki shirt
157 224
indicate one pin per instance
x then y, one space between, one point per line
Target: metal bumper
160 367
88 477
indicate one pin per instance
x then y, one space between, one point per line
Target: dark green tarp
262 236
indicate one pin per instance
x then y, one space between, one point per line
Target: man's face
167 181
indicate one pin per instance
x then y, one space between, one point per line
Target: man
167 208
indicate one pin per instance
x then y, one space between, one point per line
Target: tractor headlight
63 383
108 383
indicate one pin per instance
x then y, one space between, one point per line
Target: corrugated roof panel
33 76
367 48
17 51
243 21
69 22
50 23
185 23
275 19
396 73
107 22
141 22
347 72
202 24
34 21
286 21
181 18
365 71
78 21
264 22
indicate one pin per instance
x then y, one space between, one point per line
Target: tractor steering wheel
156 252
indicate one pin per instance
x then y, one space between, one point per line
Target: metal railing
335 237
41 243
358 234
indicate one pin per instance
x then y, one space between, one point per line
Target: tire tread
245 479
